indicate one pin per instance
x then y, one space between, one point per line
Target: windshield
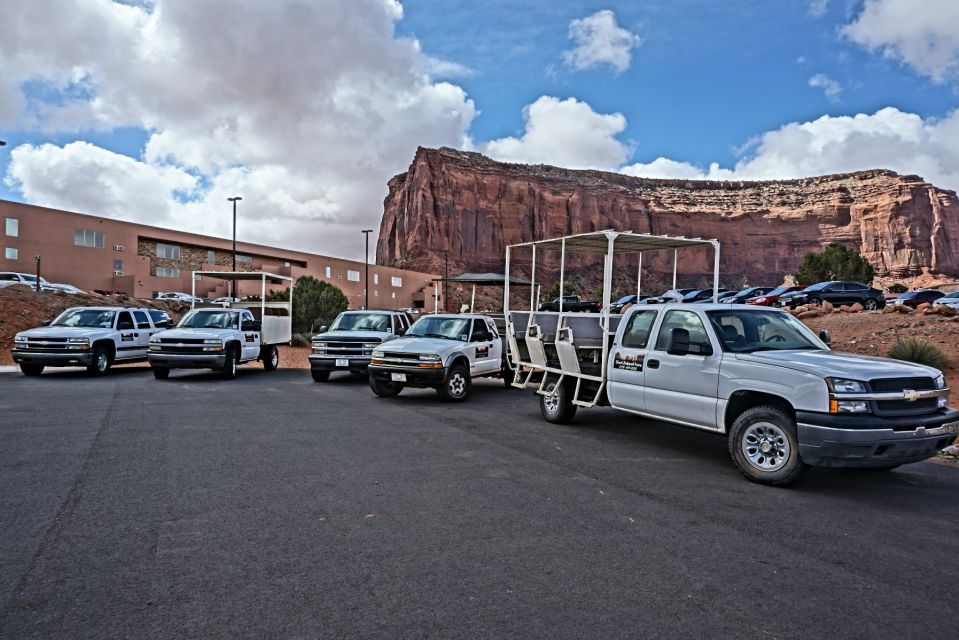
33 279
819 286
85 318
626 299
210 319
746 331
441 327
778 291
361 322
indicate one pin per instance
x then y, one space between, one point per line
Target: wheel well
111 348
233 343
461 359
743 400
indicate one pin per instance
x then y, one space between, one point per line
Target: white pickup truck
91 337
347 345
442 351
783 399
221 338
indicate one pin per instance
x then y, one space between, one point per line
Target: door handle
652 364
136 335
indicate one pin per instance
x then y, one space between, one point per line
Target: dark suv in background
915 298
837 293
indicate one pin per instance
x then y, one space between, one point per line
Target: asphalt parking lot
275 507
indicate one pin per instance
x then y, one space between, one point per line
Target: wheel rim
457 384
871 305
551 400
275 358
766 446
233 365
101 362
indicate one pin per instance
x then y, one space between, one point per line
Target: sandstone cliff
475 206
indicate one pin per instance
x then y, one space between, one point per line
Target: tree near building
315 303
835 262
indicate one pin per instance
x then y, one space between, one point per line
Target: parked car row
8 278
790 296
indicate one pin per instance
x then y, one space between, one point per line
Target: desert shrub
898 287
835 262
918 351
300 340
569 289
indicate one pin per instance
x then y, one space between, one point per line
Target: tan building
107 255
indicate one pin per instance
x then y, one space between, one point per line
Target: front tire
101 362
764 446
557 405
871 304
320 376
271 357
31 369
229 366
456 387
815 301
161 373
384 389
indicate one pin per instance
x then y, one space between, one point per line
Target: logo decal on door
482 352
126 337
628 363
251 337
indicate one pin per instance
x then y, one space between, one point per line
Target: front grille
181 340
903 407
343 348
44 344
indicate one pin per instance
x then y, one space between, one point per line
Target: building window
376 278
118 265
393 295
11 254
86 238
211 257
168 272
376 293
169 251
13 227
328 271
352 276
396 281
241 258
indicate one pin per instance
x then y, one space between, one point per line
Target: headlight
370 345
213 341
19 338
430 357
377 354
79 340
849 406
940 382
759 300
319 345
843 385
154 339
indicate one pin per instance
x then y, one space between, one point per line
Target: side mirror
401 331
826 337
678 344
250 325
45 323
323 329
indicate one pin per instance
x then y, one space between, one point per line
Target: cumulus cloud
304 109
830 87
920 34
567 133
887 139
600 41
818 8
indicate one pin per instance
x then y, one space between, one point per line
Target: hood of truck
425 345
197 334
354 336
66 332
838 364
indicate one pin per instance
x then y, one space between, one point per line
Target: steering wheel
775 338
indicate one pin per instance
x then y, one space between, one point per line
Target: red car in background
772 296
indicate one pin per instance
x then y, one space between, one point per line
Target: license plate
342 362
398 377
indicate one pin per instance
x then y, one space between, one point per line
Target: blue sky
157 110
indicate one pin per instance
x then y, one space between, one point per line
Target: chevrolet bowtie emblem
910 395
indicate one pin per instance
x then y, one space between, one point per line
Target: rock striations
475 206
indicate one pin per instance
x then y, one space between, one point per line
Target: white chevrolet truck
347 345
441 351
222 338
782 398
91 337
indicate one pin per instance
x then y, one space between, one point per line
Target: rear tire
229 366
456 387
101 362
508 374
557 406
31 369
271 357
384 389
764 446
161 373
815 301
871 304
320 376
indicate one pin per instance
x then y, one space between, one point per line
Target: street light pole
37 284
233 282
367 232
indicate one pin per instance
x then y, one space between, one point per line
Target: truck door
128 338
481 348
251 339
626 362
144 330
496 346
683 387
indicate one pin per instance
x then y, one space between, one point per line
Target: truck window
681 320
124 321
142 321
637 333
479 331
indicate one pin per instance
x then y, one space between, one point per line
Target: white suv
8 278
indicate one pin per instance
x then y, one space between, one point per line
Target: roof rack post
532 288
473 300
675 257
639 278
607 286
562 271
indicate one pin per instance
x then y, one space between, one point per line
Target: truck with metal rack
757 376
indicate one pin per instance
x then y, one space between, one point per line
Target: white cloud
566 133
830 87
818 8
304 109
921 34
600 40
887 139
